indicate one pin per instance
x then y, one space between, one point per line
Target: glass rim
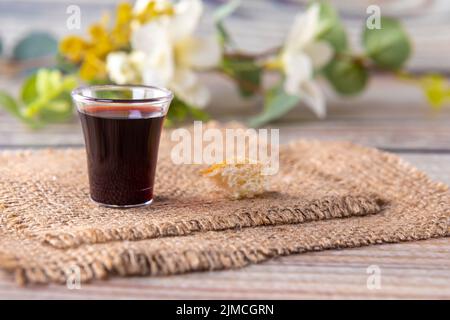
77 94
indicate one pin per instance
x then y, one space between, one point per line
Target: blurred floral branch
154 43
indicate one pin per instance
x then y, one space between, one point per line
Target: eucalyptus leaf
337 38
276 104
347 76
246 72
328 17
389 47
1 46
35 45
331 28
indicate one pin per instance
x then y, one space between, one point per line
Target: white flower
153 40
301 55
125 68
170 53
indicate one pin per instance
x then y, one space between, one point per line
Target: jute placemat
361 196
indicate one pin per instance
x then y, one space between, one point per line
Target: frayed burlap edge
130 262
327 208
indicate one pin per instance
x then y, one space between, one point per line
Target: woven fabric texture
327 195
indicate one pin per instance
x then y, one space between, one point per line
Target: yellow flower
92 67
124 14
73 48
172 54
101 42
437 90
98 32
120 34
274 64
120 37
105 39
102 48
155 9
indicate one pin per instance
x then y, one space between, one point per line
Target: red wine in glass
122 142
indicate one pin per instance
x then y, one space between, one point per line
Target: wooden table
389 116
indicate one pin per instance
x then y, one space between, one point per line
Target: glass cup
122 128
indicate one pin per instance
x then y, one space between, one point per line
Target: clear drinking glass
122 128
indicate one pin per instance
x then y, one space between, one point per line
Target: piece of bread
240 179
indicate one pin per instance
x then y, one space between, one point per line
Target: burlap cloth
327 195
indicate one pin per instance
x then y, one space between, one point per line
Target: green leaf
35 45
226 10
389 47
57 110
346 75
276 104
327 17
224 36
337 38
124 94
9 103
331 28
47 81
246 73
1 46
42 89
220 15
29 91
180 110
198 114
64 65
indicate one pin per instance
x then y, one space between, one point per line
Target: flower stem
256 56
